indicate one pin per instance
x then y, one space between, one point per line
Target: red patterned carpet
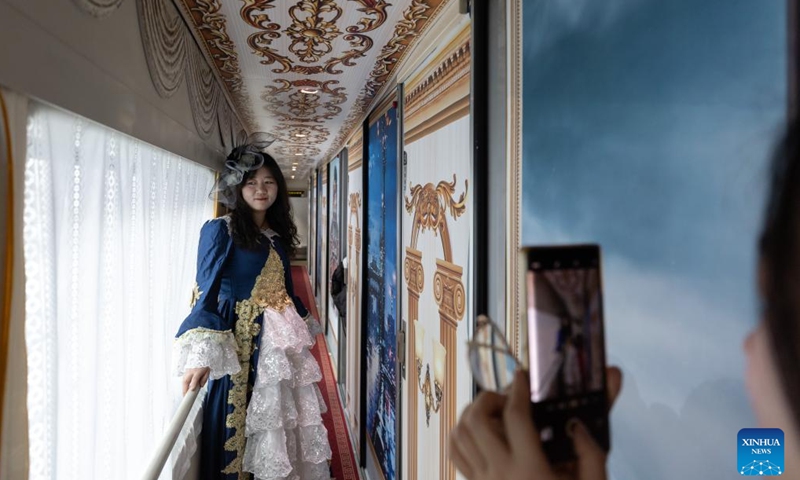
343 463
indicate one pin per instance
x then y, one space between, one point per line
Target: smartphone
566 345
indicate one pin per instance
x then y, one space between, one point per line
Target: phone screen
566 345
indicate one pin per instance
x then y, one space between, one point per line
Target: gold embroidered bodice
269 291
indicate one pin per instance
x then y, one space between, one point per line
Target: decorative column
430 205
353 293
449 293
415 280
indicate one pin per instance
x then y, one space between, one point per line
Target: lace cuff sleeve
202 347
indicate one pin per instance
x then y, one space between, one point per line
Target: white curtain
111 227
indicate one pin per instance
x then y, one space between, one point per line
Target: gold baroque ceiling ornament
313 31
302 134
300 151
404 31
414 20
302 107
370 39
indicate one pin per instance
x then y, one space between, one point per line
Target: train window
111 227
647 128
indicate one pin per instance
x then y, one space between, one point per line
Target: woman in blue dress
249 336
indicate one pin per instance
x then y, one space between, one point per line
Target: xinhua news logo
760 451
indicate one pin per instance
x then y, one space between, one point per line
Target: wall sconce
433 394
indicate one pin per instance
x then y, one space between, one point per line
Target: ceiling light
292 177
294 169
309 91
300 135
298 154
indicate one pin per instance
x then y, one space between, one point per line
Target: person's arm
205 346
337 280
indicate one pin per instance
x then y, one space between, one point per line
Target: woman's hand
496 438
195 378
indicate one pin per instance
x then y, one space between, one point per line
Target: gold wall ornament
430 207
413 271
430 204
440 96
449 291
431 393
460 57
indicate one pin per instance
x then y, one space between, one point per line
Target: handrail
165 447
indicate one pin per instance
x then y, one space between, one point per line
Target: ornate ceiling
305 71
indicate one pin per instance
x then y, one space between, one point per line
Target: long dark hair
780 254
279 216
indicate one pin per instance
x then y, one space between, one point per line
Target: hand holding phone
566 346
496 438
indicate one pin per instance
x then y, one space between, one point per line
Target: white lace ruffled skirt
285 435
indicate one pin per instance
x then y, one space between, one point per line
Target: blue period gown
262 413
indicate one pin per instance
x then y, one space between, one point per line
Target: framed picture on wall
312 225
380 375
354 245
334 240
318 243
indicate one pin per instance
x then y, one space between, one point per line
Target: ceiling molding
445 24
314 67
98 8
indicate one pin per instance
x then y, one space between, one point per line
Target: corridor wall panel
323 249
300 213
334 252
355 236
381 290
312 225
318 245
436 248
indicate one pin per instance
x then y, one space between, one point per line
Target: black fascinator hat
247 157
